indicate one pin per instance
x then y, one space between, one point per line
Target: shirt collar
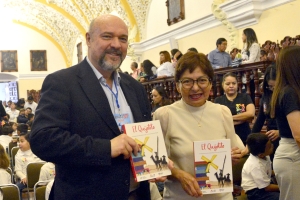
99 76
26 153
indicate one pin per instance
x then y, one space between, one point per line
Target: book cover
213 168
152 160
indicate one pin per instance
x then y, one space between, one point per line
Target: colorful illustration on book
141 162
212 167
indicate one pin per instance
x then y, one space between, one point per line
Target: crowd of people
79 125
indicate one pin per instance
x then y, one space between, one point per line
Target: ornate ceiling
64 21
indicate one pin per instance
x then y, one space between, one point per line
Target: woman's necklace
199 122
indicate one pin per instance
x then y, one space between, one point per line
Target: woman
13 113
264 109
159 97
166 69
251 50
149 69
240 105
193 118
285 107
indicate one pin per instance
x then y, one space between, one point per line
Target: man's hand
123 144
236 155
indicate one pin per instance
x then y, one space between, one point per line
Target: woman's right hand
188 182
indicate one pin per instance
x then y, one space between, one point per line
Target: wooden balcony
255 69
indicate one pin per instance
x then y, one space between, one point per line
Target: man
76 123
218 57
31 104
135 70
7 109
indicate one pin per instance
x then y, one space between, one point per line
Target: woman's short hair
229 74
192 60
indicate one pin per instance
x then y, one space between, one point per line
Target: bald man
79 116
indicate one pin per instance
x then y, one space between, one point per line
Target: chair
14 151
40 190
237 177
33 174
9 170
10 192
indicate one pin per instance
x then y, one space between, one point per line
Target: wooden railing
255 69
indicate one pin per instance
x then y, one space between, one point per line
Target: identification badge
122 119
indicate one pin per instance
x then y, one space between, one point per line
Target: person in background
150 71
192 49
2 111
257 170
13 113
30 121
91 155
6 136
263 115
20 103
5 177
251 50
23 157
166 68
240 105
135 70
285 107
31 104
159 97
190 119
218 57
22 118
14 126
8 105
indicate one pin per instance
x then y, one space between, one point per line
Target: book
152 159
212 166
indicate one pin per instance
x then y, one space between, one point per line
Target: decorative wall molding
243 13
183 31
32 76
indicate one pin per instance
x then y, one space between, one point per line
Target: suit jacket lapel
131 99
95 93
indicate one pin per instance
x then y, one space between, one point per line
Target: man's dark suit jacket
73 127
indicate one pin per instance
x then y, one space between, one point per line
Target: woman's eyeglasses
188 83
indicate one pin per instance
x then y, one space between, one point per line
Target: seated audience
219 57
13 113
14 126
7 108
20 103
48 189
22 117
159 97
135 70
47 172
240 105
257 170
30 121
5 177
6 136
22 158
166 68
31 104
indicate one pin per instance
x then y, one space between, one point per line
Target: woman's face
244 38
195 96
230 85
271 84
156 97
162 57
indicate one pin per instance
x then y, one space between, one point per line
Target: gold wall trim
48 37
67 15
82 13
131 18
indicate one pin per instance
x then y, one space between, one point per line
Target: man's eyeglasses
202 82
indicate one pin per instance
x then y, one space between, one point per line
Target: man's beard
107 66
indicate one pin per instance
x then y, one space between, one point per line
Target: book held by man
213 167
152 159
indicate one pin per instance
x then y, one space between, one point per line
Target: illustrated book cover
152 159
213 168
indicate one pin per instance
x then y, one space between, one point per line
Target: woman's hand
236 155
188 182
273 135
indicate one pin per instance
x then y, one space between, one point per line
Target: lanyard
115 94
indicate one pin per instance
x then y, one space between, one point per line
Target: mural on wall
38 60
9 61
